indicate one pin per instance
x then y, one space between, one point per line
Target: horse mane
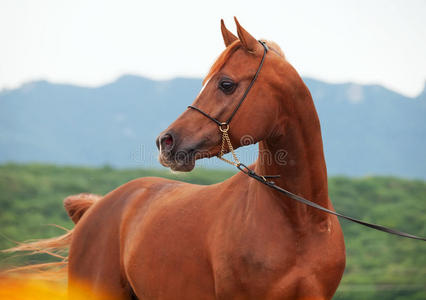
226 54
274 47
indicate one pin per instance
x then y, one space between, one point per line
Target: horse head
193 135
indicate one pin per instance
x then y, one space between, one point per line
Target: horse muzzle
173 154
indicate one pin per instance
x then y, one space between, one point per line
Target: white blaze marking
202 88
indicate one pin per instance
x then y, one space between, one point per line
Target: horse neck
295 152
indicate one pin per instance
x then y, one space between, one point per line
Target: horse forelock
222 59
226 54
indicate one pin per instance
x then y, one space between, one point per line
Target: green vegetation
379 266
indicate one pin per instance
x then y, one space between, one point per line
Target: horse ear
228 37
248 41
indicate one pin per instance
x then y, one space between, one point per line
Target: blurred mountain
367 129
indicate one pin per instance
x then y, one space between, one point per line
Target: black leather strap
243 168
262 179
205 114
265 50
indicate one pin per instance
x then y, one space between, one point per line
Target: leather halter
226 123
224 127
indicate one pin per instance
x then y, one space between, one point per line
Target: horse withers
155 238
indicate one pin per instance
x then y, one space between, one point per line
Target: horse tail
76 206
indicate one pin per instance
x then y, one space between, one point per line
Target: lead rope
226 141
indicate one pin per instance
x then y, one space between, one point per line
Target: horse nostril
166 142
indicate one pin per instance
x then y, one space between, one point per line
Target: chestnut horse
155 238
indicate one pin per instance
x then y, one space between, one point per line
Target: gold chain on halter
227 141
224 128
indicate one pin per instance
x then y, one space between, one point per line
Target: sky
93 42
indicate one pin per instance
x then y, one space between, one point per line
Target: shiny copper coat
163 239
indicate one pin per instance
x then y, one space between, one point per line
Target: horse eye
227 86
